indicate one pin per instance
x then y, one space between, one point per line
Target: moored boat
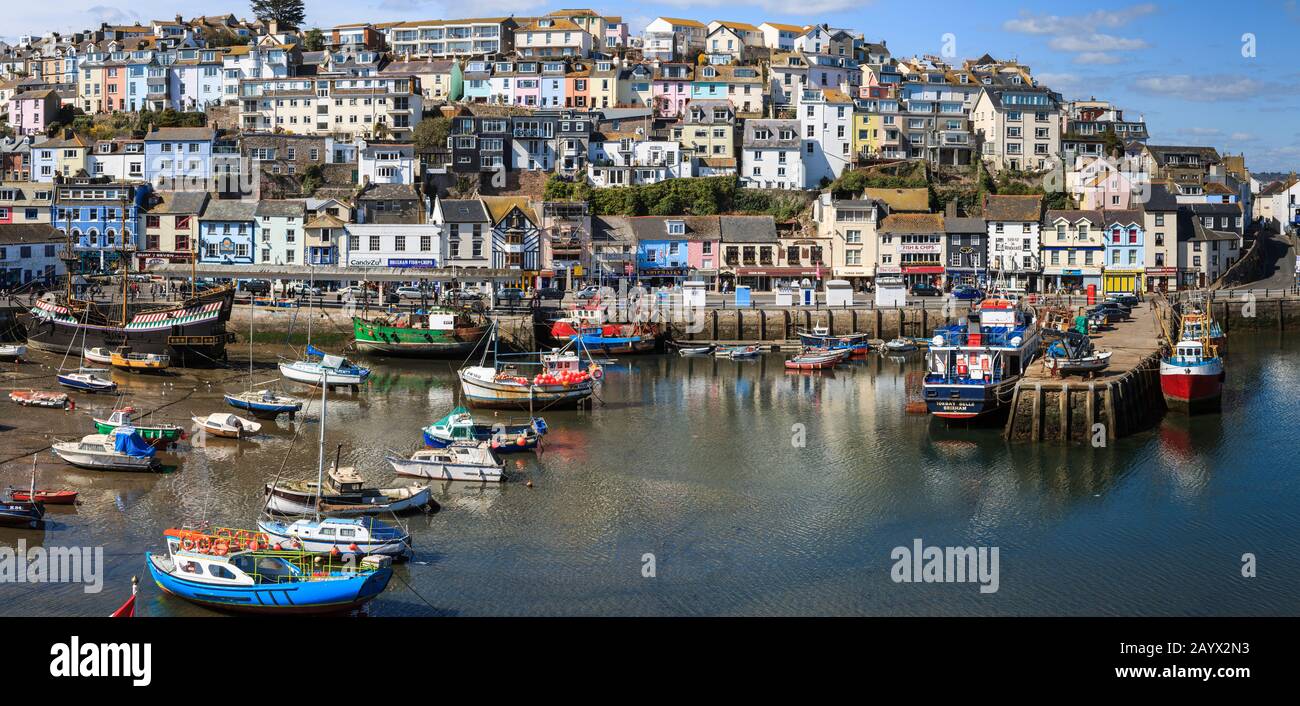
820 337
21 513
10 352
973 366
460 425
85 382
123 450
264 404
39 398
157 434
98 354
814 361
126 359
344 494
589 327
334 370
49 497
265 580
340 535
562 380
464 460
432 334
227 425
738 352
690 351
1191 377
900 345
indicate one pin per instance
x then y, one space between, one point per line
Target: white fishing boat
462 460
344 494
39 398
900 345
10 352
1087 364
99 354
122 450
562 382
227 425
342 535
336 370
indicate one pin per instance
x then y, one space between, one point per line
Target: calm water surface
694 461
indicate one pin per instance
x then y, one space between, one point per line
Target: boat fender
334 550
72 405
522 440
277 547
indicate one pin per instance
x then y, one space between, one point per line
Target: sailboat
84 379
334 535
319 366
263 404
29 512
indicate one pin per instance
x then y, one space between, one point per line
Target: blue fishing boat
20 513
222 573
973 366
820 338
460 425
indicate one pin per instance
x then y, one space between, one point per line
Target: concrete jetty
1121 400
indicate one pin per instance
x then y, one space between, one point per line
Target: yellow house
66 155
866 133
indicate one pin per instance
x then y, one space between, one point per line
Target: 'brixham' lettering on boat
53 565
921 564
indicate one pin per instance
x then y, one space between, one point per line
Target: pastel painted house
178 155
1125 252
228 232
30 112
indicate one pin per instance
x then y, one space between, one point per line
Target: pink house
30 112
703 253
671 89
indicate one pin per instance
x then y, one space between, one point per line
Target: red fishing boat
49 497
1191 376
596 334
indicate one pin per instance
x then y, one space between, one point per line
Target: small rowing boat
814 361
37 398
696 350
49 497
738 352
227 425
157 434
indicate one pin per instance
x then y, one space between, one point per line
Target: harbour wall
1083 411
781 325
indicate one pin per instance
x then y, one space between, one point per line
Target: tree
287 13
430 134
314 40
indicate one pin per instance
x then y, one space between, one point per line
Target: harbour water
756 491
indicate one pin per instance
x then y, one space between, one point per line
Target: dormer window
709 72
676 227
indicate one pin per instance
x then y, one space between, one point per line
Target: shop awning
923 270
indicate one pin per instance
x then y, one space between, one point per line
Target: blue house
662 249
101 215
1125 252
228 232
178 156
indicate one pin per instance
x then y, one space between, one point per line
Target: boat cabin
343 481
238 569
561 361
1188 353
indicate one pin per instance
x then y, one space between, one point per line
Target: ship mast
126 260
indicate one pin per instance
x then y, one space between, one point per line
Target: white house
1015 253
631 160
280 224
386 162
771 155
826 117
396 245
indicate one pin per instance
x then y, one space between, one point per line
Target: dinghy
814 361
344 494
264 580
738 352
123 450
100 355
37 398
265 404
900 345
227 425
464 460
49 497
696 350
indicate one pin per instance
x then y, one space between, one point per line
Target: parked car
412 292
1129 300
549 293
925 289
260 287
967 292
302 289
466 296
509 296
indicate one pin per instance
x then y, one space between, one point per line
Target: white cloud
1095 43
1029 23
1204 88
1242 137
1096 57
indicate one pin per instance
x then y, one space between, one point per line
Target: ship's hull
968 401
193 333
1192 388
288 598
414 342
496 395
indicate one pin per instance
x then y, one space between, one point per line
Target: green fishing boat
155 434
436 333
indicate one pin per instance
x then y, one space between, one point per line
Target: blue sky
1185 66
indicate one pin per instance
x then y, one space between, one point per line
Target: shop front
1161 279
923 274
921 258
1070 279
1123 281
766 279
662 276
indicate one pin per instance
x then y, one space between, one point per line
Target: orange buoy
353 546
334 551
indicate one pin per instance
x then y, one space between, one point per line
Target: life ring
596 372
204 545
220 547
187 544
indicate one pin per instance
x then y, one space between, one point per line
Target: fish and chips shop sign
395 262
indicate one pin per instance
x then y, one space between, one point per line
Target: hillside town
567 148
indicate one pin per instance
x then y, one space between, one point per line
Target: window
374 243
